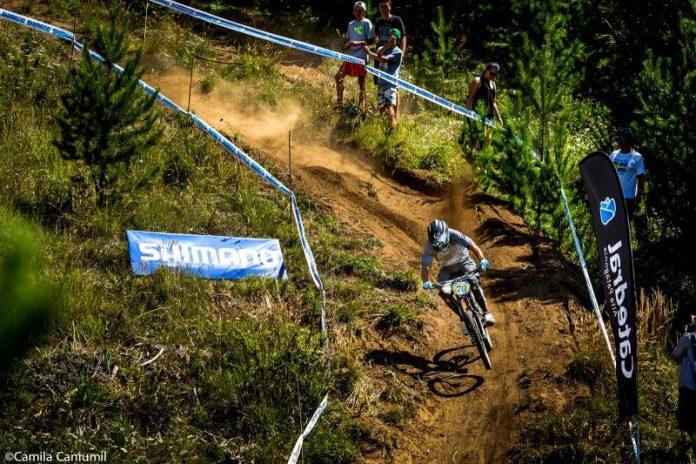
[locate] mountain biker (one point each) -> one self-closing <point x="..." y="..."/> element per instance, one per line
<point x="451" y="249"/>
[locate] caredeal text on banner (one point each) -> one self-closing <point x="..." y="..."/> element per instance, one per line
<point x="205" y="256"/>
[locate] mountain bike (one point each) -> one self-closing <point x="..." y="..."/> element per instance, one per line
<point x="470" y="314"/>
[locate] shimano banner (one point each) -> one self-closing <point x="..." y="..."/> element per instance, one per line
<point x="616" y="258"/>
<point x="205" y="256"/>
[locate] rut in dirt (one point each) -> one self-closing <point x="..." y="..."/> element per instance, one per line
<point x="467" y="414"/>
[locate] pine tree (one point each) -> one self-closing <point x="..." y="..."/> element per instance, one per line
<point x="666" y="131"/>
<point x="107" y="121"/>
<point x="547" y="79"/>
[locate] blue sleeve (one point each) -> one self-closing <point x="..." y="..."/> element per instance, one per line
<point x="427" y="259"/>
<point x="370" y="31"/>
<point x="640" y="165"/>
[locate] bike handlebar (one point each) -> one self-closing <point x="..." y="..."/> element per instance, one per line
<point x="439" y="285"/>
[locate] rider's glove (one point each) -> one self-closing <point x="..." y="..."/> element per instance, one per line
<point x="428" y="285"/>
<point x="485" y="265"/>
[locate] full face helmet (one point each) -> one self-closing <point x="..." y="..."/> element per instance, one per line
<point x="438" y="234"/>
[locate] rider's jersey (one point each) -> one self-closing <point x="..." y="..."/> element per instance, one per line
<point x="456" y="252"/>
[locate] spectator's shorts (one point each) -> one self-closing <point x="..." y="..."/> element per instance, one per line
<point x="686" y="410"/>
<point x="353" y="70"/>
<point x="386" y="96"/>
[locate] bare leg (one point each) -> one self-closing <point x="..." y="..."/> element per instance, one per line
<point x="391" y="112"/>
<point x="339" y="86"/>
<point x="362" y="97"/>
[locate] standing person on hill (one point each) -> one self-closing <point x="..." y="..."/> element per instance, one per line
<point x="389" y="60"/>
<point x="483" y="89"/>
<point x="359" y="34"/>
<point x="685" y="354"/>
<point x="384" y="23"/>
<point x="631" y="168"/>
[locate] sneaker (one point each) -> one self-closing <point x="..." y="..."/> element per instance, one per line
<point x="488" y="319"/>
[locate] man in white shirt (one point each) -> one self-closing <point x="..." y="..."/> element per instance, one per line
<point x="631" y="168"/>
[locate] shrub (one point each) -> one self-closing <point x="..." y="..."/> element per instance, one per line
<point x="399" y="318"/>
<point x="27" y="301"/>
<point x="107" y="120"/>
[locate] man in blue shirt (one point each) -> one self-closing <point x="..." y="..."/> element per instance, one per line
<point x="684" y="354"/>
<point x="629" y="164"/>
<point x="359" y="34"/>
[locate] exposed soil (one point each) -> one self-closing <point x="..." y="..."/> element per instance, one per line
<point x="465" y="414"/>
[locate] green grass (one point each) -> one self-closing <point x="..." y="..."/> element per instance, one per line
<point x="399" y="318"/>
<point x="236" y="354"/>
<point x="586" y="430"/>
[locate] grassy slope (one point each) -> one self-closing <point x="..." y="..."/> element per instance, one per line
<point x="585" y="428"/>
<point x="238" y="356"/>
<point x="205" y="370"/>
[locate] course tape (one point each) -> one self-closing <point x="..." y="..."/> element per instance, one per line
<point x="232" y="149"/>
<point x="298" y="45"/>
<point x="310" y="425"/>
<point x="586" y="274"/>
<point x="321" y="51"/>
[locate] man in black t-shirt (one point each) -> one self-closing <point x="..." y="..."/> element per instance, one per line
<point x="383" y="24"/>
<point x="386" y="22"/>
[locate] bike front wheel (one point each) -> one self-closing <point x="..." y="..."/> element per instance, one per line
<point x="477" y="337"/>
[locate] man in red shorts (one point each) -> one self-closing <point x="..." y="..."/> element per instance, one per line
<point x="360" y="33"/>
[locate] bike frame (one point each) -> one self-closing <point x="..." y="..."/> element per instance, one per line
<point x="469" y="296"/>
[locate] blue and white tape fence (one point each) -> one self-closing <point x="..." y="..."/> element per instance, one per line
<point x="324" y="52"/>
<point x="232" y="149"/>
<point x="295" y="455"/>
<point x="321" y="51"/>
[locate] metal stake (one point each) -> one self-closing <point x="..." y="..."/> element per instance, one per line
<point x="188" y="107"/>
<point x="290" y="157"/>
<point x="147" y="7"/>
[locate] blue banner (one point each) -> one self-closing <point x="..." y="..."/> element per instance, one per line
<point x="205" y="256"/>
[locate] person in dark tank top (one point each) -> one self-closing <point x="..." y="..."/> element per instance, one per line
<point x="483" y="89"/>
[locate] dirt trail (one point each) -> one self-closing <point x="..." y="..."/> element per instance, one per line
<point x="466" y="414"/>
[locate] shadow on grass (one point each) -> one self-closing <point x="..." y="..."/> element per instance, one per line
<point x="446" y="374"/>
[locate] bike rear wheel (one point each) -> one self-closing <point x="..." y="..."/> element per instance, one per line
<point x="476" y="334"/>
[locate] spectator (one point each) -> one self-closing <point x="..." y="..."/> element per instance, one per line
<point x="684" y="353"/>
<point x="483" y="89"/>
<point x="384" y="23"/>
<point x="629" y="164"/>
<point x="389" y="58"/>
<point x="359" y="34"/>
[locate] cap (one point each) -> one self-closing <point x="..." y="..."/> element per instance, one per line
<point x="360" y="5"/>
<point x="395" y="32"/>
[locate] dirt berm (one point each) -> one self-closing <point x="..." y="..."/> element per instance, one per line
<point x="465" y="414"/>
